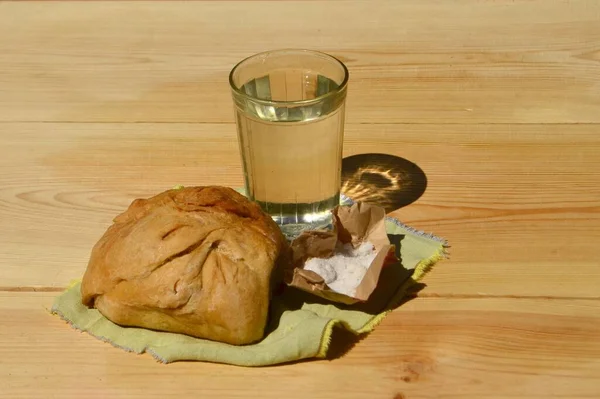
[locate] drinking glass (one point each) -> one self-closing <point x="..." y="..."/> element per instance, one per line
<point x="289" y="112"/>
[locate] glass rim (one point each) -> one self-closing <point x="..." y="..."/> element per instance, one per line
<point x="320" y="98"/>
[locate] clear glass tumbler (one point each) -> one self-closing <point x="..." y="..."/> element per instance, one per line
<point x="289" y="109"/>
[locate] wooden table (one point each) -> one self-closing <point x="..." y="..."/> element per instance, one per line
<point x="497" y="101"/>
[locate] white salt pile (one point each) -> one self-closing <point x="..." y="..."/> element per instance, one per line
<point x="344" y="271"/>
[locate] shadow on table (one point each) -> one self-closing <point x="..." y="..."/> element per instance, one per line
<point x="342" y="340"/>
<point x="395" y="287"/>
<point x="382" y="179"/>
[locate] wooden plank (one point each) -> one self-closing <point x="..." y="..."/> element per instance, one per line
<point x="492" y="348"/>
<point x="465" y="61"/>
<point x="520" y="204"/>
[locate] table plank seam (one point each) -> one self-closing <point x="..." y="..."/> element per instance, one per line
<point x="502" y="296"/>
<point x="150" y="122"/>
<point x="28" y="289"/>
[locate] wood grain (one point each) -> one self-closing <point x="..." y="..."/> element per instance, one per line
<point x="497" y="102"/>
<point x="506" y="196"/>
<point x="436" y="62"/>
<point x="429" y="348"/>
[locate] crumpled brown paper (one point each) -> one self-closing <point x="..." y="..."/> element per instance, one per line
<point x="352" y="224"/>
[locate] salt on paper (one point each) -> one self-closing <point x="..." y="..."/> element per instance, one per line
<point x="352" y="226"/>
<point x="345" y="269"/>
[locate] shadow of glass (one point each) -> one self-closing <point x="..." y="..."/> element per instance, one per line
<point x="382" y="179"/>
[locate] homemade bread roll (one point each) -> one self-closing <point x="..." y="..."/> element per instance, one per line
<point x="199" y="261"/>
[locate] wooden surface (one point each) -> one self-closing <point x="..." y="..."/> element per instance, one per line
<point x="497" y="101"/>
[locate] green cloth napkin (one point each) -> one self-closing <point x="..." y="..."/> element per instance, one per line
<point x="301" y="325"/>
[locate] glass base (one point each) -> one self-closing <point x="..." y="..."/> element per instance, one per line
<point x="294" y="218"/>
<point x="292" y="231"/>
